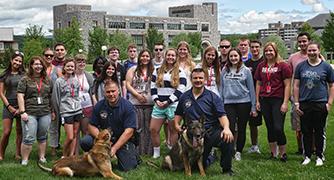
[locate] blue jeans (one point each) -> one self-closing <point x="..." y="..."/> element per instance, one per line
<point x="35" y="128"/>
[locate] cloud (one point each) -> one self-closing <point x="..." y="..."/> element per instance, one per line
<point x="317" y="5"/>
<point x="252" y="21"/>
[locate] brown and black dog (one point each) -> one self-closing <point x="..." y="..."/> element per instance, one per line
<point x="188" y="150"/>
<point x="94" y="162"/>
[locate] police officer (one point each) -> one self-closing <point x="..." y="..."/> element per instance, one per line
<point x="118" y="114"/>
<point x="199" y="101"/>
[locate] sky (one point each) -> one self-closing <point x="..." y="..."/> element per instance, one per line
<point x="235" y="16"/>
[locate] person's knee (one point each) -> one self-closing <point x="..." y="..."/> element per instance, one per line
<point x="86" y="143"/>
<point x="29" y="140"/>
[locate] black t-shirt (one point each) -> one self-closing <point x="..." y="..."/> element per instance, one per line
<point x="252" y="65"/>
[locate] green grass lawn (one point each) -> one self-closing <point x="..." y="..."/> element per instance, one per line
<point x="252" y="166"/>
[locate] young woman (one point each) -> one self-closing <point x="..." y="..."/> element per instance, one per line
<point x="211" y="66"/>
<point x="98" y="66"/>
<point x="238" y="94"/>
<point x="66" y="95"/>
<point x="185" y="60"/>
<point x="34" y="100"/>
<point x="313" y="95"/>
<point x="167" y="85"/>
<point x="85" y="93"/>
<point x="8" y="85"/>
<point x="273" y="77"/>
<point x="138" y="83"/>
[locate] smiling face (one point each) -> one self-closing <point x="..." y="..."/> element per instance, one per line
<point x="111" y="93"/>
<point x="113" y="55"/>
<point x="145" y="58"/>
<point x="255" y="49"/>
<point x="81" y="64"/>
<point x="243" y="46"/>
<point x="198" y="79"/>
<point x="170" y="57"/>
<point x="210" y="57"/>
<point x="16" y="63"/>
<point x="183" y="51"/>
<point x="110" y="71"/>
<point x="303" y="42"/>
<point x="60" y="52"/>
<point x="132" y="53"/>
<point x="234" y="57"/>
<point x="269" y="53"/>
<point x="37" y="67"/>
<point x="48" y="56"/>
<point x="313" y="51"/>
<point x="69" y="68"/>
<point x="225" y="47"/>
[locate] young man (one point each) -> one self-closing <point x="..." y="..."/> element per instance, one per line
<point x="119" y="115"/>
<point x="255" y="48"/>
<point x="158" y="55"/>
<point x="303" y="40"/>
<point x="199" y="101"/>
<point x="243" y="46"/>
<point x="224" y="47"/>
<point x="132" y="57"/>
<point x="113" y="55"/>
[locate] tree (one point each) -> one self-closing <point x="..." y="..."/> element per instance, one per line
<point x="282" y="50"/>
<point x="121" y="41"/>
<point x="306" y="27"/>
<point x="328" y="34"/>
<point x="153" y="37"/>
<point x="98" y="37"/>
<point x="6" y="57"/>
<point x="193" y="39"/>
<point x="71" y="37"/>
<point x="34" y="42"/>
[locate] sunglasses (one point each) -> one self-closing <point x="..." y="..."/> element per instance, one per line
<point x="224" y="46"/>
<point x="48" y="55"/>
<point x="156" y="50"/>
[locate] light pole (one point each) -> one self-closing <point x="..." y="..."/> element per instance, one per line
<point x="104" y="48"/>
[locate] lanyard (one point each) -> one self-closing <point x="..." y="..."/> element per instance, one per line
<point x="39" y="87"/>
<point x="144" y="76"/>
<point x="81" y="82"/>
<point x="210" y="76"/>
<point x="71" y="87"/>
<point x="267" y="72"/>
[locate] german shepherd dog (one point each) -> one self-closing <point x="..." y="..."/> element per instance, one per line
<point x="187" y="152"/>
<point x="94" y="162"/>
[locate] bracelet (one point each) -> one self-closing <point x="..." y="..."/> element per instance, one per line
<point x="22" y="112"/>
<point x="8" y="106"/>
<point x="296" y="103"/>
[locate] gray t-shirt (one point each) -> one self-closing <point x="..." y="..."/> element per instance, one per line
<point x="33" y="106"/>
<point x="10" y="84"/>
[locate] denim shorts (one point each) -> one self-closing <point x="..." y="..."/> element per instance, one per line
<point x="167" y="113"/>
<point x="35" y="128"/>
<point x="72" y="119"/>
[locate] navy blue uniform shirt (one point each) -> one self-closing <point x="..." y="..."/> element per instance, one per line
<point x="118" y="117"/>
<point x="208" y="103"/>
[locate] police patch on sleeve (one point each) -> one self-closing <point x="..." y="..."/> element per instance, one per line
<point x="103" y="115"/>
<point x="187" y="103"/>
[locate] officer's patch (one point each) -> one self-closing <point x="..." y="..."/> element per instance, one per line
<point x="103" y="114"/>
<point x="187" y="103"/>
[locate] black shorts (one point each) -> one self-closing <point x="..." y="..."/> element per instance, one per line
<point x="72" y="119"/>
<point x="256" y="121"/>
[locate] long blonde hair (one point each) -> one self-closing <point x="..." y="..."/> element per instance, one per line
<point x="175" y="78"/>
<point x="189" y="60"/>
<point x="215" y="64"/>
<point x="278" y="58"/>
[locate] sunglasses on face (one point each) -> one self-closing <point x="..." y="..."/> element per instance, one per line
<point x="48" y="55"/>
<point x="156" y="50"/>
<point x="224" y="46"/>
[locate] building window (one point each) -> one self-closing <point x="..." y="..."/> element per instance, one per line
<point x="59" y="24"/>
<point x="205" y="27"/>
<point x="117" y="25"/>
<point x="2" y="47"/>
<point x="157" y="25"/>
<point x="95" y="23"/>
<point x="135" y="25"/>
<point x="139" y="40"/>
<point x="170" y="38"/>
<point x="69" y="23"/>
<point x="190" y="27"/>
<point x="174" y="26"/>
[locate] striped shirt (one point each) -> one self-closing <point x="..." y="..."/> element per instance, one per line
<point x="167" y="92"/>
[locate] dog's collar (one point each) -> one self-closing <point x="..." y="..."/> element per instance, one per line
<point x="185" y="137"/>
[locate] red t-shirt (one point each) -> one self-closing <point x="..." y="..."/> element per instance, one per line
<point x="272" y="77"/>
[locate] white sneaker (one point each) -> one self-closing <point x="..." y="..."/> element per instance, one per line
<point x="254" y="149"/>
<point x="237" y="156"/>
<point x="306" y="161"/>
<point x="319" y="162"/>
<point x="155" y="156"/>
<point x="24" y="162"/>
<point x="42" y="160"/>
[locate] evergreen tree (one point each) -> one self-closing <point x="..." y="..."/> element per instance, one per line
<point x="98" y="37"/>
<point x="328" y="35"/>
<point x="153" y="37"/>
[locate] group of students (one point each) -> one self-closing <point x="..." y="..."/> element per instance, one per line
<point x="58" y="90"/>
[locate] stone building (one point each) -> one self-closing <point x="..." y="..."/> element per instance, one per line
<point x="189" y="18"/>
<point x="7" y="39"/>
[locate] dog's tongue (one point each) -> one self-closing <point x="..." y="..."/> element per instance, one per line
<point x="195" y="144"/>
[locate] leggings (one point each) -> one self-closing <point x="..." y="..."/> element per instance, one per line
<point x="274" y="118"/>
<point x="238" y="114"/>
